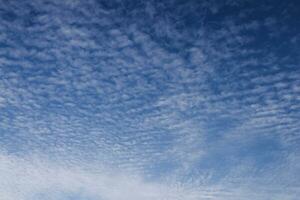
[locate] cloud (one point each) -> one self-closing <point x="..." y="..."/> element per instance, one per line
<point x="186" y="100"/>
<point x="34" y="178"/>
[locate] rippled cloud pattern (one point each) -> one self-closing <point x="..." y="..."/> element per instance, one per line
<point x="149" y="100"/>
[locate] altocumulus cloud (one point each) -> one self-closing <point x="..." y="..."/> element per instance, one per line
<point x="146" y="100"/>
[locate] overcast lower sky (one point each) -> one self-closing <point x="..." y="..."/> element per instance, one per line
<point x="149" y="100"/>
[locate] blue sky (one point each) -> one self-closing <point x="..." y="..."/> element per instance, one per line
<point x="140" y="100"/>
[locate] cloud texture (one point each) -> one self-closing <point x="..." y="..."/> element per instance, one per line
<point x="146" y="100"/>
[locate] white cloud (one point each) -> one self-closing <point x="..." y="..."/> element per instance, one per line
<point x="87" y="83"/>
<point x="30" y="178"/>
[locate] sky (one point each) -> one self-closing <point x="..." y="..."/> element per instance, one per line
<point x="149" y="100"/>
